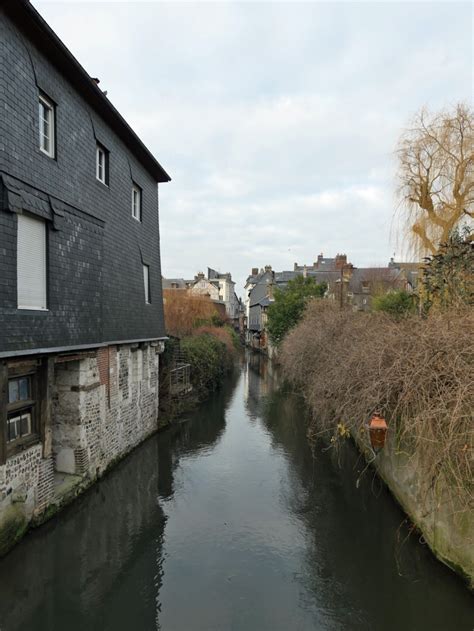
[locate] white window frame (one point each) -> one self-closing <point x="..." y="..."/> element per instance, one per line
<point x="45" y="104"/>
<point x="137" y="202"/>
<point x="23" y="250"/>
<point x="101" y="151"/>
<point x="146" y="282"/>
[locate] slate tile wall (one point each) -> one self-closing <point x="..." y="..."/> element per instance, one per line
<point x="95" y="258"/>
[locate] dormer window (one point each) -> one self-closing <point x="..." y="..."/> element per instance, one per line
<point x="136" y="202"/>
<point x="46" y="126"/>
<point x="102" y="165"/>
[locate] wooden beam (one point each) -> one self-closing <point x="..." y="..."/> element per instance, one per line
<point x="3" y="410"/>
<point x="45" y="393"/>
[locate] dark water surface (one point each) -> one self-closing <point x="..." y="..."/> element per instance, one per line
<point x="229" y="522"/>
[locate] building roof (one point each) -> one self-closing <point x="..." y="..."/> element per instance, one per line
<point x="170" y="283"/>
<point x="30" y="22"/>
<point x="284" y="277"/>
<point x="388" y="277"/>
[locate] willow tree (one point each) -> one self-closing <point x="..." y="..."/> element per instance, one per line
<point x="436" y="176"/>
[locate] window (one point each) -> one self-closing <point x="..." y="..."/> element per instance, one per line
<point x="102" y="165"/>
<point x="146" y="279"/>
<point x="46" y="126"/>
<point x="31" y="263"/>
<point x="21" y="409"/>
<point x="136" y="202"/>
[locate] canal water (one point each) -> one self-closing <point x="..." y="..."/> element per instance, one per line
<point x="230" y="521"/>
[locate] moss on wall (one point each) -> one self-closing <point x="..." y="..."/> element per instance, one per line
<point x="13" y="527"/>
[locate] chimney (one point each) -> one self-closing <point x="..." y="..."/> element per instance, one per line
<point x="254" y="271"/>
<point x="295" y="267"/>
<point x="95" y="80"/>
<point x="319" y="261"/>
<point x="341" y="260"/>
<point x="305" y="271"/>
<point x="268" y="268"/>
<point x="199" y="276"/>
<point x="270" y="290"/>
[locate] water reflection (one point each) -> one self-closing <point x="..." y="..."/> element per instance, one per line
<point x="77" y="571"/>
<point x="229" y="522"/>
<point x="360" y="562"/>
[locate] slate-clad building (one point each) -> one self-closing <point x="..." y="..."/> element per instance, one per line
<point x="81" y="313"/>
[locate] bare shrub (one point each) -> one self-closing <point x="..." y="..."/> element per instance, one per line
<point x="418" y="372"/>
<point x="185" y="311"/>
<point x="223" y="334"/>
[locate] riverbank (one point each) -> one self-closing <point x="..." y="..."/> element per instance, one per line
<point x="205" y="357"/>
<point x="418" y="374"/>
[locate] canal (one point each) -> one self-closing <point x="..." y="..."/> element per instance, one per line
<point x="230" y="521"/>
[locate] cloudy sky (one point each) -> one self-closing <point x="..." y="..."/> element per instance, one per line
<point x="276" y="121"/>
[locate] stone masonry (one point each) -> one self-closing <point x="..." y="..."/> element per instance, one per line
<point x="105" y="403"/>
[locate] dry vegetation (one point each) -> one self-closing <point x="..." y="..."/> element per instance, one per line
<point x="436" y="176"/>
<point x="206" y="341"/>
<point x="417" y="372"/>
<point x="185" y="311"/>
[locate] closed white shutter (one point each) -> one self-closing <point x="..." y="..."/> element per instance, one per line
<point x="31" y="263"/>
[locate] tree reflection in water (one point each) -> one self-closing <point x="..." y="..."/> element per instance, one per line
<point x="360" y="561"/>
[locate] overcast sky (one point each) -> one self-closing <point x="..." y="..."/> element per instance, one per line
<point x="276" y="121"/>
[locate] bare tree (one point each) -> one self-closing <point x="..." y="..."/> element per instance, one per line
<point x="436" y="176"/>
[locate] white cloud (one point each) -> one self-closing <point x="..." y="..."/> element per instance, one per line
<point x="277" y="122"/>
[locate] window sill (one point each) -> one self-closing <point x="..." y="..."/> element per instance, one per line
<point x="101" y="182"/>
<point x="52" y="156"/>
<point x="22" y="308"/>
<point x="22" y="444"/>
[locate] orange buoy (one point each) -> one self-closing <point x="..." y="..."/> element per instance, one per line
<point x="377" y="431"/>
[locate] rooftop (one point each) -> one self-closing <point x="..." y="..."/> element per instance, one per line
<point x="30" y="22"/>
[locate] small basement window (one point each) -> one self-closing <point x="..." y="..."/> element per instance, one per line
<point x="21" y="417"/>
<point x="136" y="202"/>
<point x="47" y="126"/>
<point x="102" y="165"/>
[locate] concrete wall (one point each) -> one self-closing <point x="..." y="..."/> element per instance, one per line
<point x="445" y="522"/>
<point x="104" y="404"/>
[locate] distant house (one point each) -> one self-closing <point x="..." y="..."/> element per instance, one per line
<point x="346" y="284"/>
<point x="176" y="283"/>
<point x="205" y="287"/>
<point x="220" y="288"/>
<point x="81" y="306"/>
<point x="324" y="264"/>
<point x="226" y="292"/>
<point x="362" y="284"/>
<point x="259" y="295"/>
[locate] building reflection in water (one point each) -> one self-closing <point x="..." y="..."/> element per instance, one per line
<point x="357" y="539"/>
<point x="78" y="570"/>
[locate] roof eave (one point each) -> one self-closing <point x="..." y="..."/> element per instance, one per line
<point x="30" y="21"/>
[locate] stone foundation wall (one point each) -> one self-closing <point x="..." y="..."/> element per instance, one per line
<point x="104" y="404"/>
<point x="445" y="522"/>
